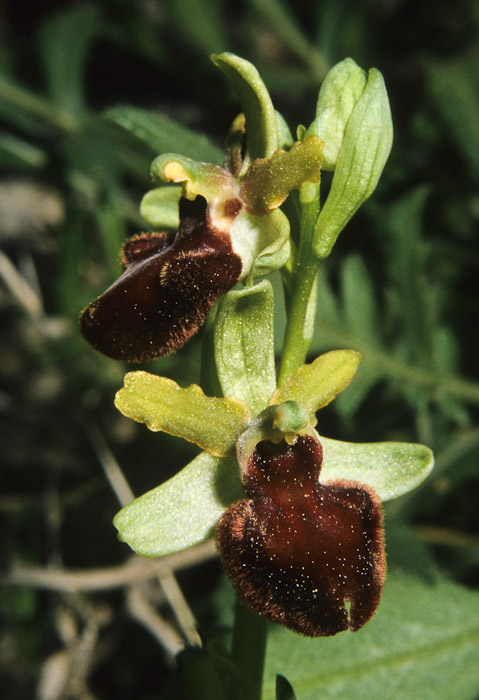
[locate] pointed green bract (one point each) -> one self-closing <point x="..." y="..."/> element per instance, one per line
<point x="212" y="423"/>
<point x="244" y="345"/>
<point x="183" y="511"/>
<point x="159" y="207"/>
<point x="261" y="123"/>
<point x="268" y="181"/>
<point x="362" y="156"/>
<point x="391" y="469"/>
<point x="316" y="384"/>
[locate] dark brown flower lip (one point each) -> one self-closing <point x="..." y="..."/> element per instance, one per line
<point x="169" y="286"/>
<point x="297" y="550"/>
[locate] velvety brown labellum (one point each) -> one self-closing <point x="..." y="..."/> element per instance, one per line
<point x="167" y="290"/>
<point x="298" y="550"/>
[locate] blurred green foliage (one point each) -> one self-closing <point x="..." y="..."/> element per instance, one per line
<point x="90" y="93"/>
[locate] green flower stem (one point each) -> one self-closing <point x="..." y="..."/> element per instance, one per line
<point x="302" y="305"/>
<point x="248" y="650"/>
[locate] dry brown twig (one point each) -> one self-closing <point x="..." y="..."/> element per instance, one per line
<point x="165" y="575"/>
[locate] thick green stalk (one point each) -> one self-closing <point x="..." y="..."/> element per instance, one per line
<point x="248" y="650"/>
<point x="302" y="305"/>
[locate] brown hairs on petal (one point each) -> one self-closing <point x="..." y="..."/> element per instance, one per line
<point x="298" y="550"/>
<point x="166" y="291"/>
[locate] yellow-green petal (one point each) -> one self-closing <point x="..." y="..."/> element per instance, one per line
<point x="212" y="423"/>
<point x="268" y="181"/>
<point x="316" y="384"/>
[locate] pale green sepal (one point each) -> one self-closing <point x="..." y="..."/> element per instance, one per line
<point x="337" y="98"/>
<point x="159" y="207"/>
<point x="244" y="345"/>
<point x="184" y="510"/>
<point x="391" y="469"/>
<point x="363" y="154"/>
<point x="316" y="384"/>
<point x="261" y="124"/>
<point x="212" y="423"/>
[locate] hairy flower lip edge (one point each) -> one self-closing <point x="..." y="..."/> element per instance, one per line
<point x="166" y="291"/>
<point x="281" y="591"/>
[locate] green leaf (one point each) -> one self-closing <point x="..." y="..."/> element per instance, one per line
<point x="159" y="133"/>
<point x="159" y="207"/>
<point x="361" y="311"/>
<point x="212" y="423"/>
<point x="184" y="510"/>
<point x="362" y="157"/>
<point x="389" y="468"/>
<point x="261" y="124"/>
<point x="316" y="384"/>
<point x="412" y="290"/>
<point x="244" y="345"/>
<point x="452" y="85"/>
<point x="423" y="643"/>
<point x="202" y="23"/>
<point x="361" y="316"/>
<point x="65" y="40"/>
<point x="19" y="154"/>
<point x="279" y="19"/>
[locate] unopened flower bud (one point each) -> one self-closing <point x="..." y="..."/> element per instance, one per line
<point x="339" y="93"/>
<point x="362" y="156"/>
